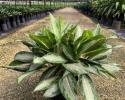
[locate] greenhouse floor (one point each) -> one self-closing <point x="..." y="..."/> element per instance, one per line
<point x="108" y="89"/>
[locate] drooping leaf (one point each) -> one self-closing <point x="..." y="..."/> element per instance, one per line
<point x="54" y="58"/>
<point x="24" y="56"/>
<point x="19" y="66"/>
<point x="38" y="60"/>
<point x="76" y="68"/>
<point x="52" y="91"/>
<point x="45" y="84"/>
<point x="49" y="72"/>
<point x="111" y="67"/>
<point x="87" y="88"/>
<point x="67" y="86"/>
<point x="35" y="67"/>
<point x="22" y="77"/>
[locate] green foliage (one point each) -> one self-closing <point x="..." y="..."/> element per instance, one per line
<point x="68" y="57"/>
<point x="112" y="9"/>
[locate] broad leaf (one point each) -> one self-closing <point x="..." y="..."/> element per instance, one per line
<point x="87" y="88"/>
<point x="35" y="67"/>
<point x="49" y="72"/>
<point x="54" y="28"/>
<point x="54" y="58"/>
<point x="52" y="91"/>
<point x="111" y="67"/>
<point x="24" y="56"/>
<point x="42" y="41"/>
<point x="22" y="77"/>
<point x="67" y="87"/>
<point x="76" y="68"/>
<point x="67" y="50"/>
<point x="19" y="66"/>
<point x="38" y="60"/>
<point x="45" y="84"/>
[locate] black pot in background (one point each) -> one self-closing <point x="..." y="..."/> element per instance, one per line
<point x="13" y="23"/>
<point x="116" y="24"/>
<point x="22" y="20"/>
<point x="18" y="20"/>
<point x="8" y="23"/>
<point x="4" y="25"/>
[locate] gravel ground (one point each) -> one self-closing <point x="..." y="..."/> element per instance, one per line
<point x="9" y="90"/>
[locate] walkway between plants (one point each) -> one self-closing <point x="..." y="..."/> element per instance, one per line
<point x="9" y="90"/>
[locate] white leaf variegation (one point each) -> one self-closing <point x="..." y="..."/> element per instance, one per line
<point x="22" y="77"/>
<point x="76" y="68"/>
<point x="45" y="84"/>
<point x="87" y="88"/>
<point x="67" y="87"/>
<point x="52" y="91"/>
<point x="54" y="58"/>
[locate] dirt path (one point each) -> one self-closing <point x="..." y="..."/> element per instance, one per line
<point x="10" y="90"/>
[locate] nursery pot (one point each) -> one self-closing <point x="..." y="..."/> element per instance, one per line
<point x="18" y="20"/>
<point x="23" y="19"/>
<point x="116" y="24"/>
<point x="8" y="23"/>
<point x="4" y="25"/>
<point x="14" y="22"/>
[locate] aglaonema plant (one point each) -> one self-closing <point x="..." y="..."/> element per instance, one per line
<point x="67" y="57"/>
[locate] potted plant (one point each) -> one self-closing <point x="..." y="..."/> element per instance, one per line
<point x="67" y="57"/>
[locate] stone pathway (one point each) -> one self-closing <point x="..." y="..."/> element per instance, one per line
<point x="9" y="90"/>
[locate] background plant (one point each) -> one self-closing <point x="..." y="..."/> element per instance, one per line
<point x="67" y="57"/>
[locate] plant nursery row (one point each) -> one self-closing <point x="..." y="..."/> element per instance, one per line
<point x="108" y="12"/>
<point x="14" y="16"/>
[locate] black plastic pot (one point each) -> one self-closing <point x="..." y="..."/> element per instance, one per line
<point x="8" y="23"/>
<point x="18" y="20"/>
<point x="13" y="22"/>
<point x="116" y="24"/>
<point x="4" y="25"/>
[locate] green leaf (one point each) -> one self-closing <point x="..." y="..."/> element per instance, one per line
<point x="18" y="66"/>
<point x="112" y="68"/>
<point x="22" y="77"/>
<point x="38" y="60"/>
<point x="28" y="43"/>
<point x="35" y="67"/>
<point x="102" y="54"/>
<point x="54" y="58"/>
<point x="67" y="87"/>
<point x="76" y="68"/>
<point x="87" y="88"/>
<point x="45" y="84"/>
<point x="87" y="34"/>
<point x="24" y="56"/>
<point x="67" y="50"/>
<point x="78" y="32"/>
<point x="50" y="36"/>
<point x="41" y="40"/>
<point x="49" y="72"/>
<point x="97" y="31"/>
<point x="52" y="91"/>
<point x="54" y="28"/>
